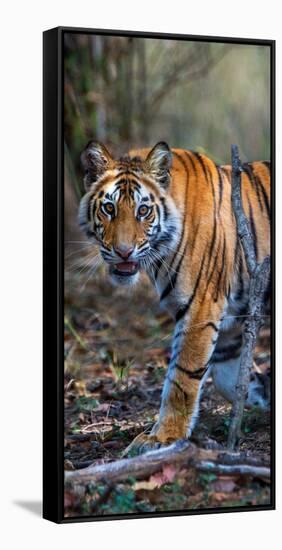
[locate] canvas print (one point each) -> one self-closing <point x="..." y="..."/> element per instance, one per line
<point x="167" y="310"/>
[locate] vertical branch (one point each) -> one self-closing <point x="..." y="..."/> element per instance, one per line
<point x="142" y="90"/>
<point x="259" y="279"/>
<point x="97" y="59"/>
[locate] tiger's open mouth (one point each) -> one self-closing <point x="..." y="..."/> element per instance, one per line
<point x="125" y="269"/>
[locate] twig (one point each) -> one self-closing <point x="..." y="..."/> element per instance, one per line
<point x="182" y="452"/>
<point x="259" y="278"/>
<point x="69" y="325"/>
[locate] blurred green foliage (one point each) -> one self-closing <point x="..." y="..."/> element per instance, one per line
<point x="132" y="92"/>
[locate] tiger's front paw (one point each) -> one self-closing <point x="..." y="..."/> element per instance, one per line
<point x="162" y="434"/>
<point x="142" y="444"/>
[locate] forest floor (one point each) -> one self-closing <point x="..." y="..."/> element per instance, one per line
<point x="117" y="347"/>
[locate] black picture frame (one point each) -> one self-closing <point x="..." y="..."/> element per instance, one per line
<point x="53" y="271"/>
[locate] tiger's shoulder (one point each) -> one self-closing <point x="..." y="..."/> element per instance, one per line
<point x="208" y="180"/>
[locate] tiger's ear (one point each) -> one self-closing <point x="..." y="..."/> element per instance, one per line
<point x="95" y="160"/>
<point x="159" y="161"/>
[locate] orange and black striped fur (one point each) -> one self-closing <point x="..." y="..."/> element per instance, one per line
<point x="169" y="212"/>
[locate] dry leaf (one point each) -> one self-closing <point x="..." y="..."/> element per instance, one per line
<point x="167" y="475"/>
<point x="146" y="485"/>
<point x="224" y="485"/>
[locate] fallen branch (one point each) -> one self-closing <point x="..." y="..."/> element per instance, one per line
<point x="180" y="453"/>
<point x="234" y="469"/>
<point x="259" y="279"/>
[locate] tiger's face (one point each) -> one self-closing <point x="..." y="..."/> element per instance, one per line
<point x="127" y="210"/>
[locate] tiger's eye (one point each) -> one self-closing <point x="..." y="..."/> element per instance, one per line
<point x="143" y="210"/>
<point x="109" y="207"/>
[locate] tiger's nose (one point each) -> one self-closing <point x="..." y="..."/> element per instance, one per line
<point x="123" y="251"/>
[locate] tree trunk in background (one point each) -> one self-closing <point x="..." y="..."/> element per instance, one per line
<point x="142" y="91"/>
<point x="127" y="86"/>
<point x="96" y="48"/>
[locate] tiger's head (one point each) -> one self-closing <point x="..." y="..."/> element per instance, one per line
<point x="127" y="209"/>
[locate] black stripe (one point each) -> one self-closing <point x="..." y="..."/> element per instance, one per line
<point x="165" y="237"/>
<point x="174" y="355"/>
<point x="165" y="209"/>
<point x="222" y="357"/>
<point x="179" y="333"/>
<point x="228" y="351"/>
<point x="199" y="158"/>
<point x="158" y="264"/>
<point x="213" y="239"/>
<point x="196" y="374"/>
<point x="158" y="211"/>
<point x="142" y="245"/>
<point x="100" y="217"/>
<point x="201" y="162"/>
<point x="183" y="309"/>
<point x="214" y="232"/>
<point x="266" y="163"/>
<point x="221" y="272"/>
<point x="89" y="209"/>
<point x="220" y="186"/>
<point x="188" y="155"/>
<point x="265" y="197"/>
<point x="225" y="355"/>
<point x="185" y="205"/>
<point x="173" y="279"/>
<point x="88" y="232"/>
<point x="226" y="173"/>
<point x="195" y="235"/>
<point x="248" y="169"/>
<point x="135" y="183"/>
<point x="169" y="287"/>
<point x="253" y="228"/>
<point x="212" y="325"/>
<point x="237" y="254"/>
<point x="181" y="369"/>
<point x="241" y="311"/>
<point x="240" y="292"/>
<point x="232" y="343"/>
<point x="126" y="181"/>
<point x="179" y="387"/>
<point x="212" y="269"/>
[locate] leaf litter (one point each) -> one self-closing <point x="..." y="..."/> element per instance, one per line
<point x="117" y="347"/>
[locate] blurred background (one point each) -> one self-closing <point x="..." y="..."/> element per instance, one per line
<point x="132" y="92"/>
<point x="127" y="93"/>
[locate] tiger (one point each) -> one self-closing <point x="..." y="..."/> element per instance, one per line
<point x="168" y="212"/>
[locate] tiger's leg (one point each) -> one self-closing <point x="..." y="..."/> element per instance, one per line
<point x="195" y="337"/>
<point x="225" y="365"/>
<point x="225" y="362"/>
